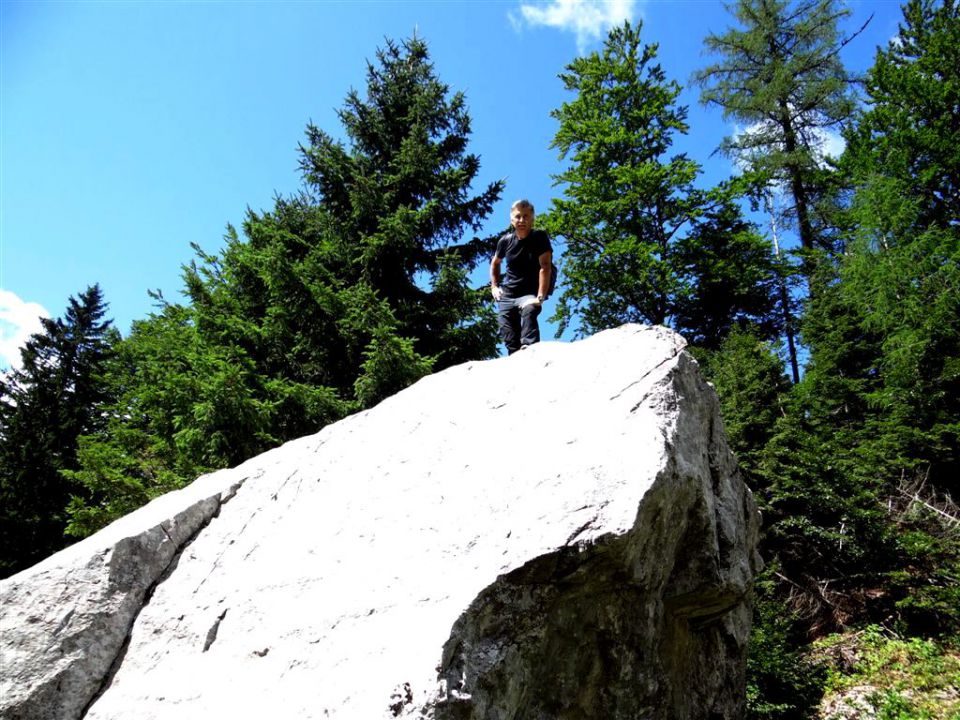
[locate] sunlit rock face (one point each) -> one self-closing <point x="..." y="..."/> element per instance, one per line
<point x="561" y="533"/>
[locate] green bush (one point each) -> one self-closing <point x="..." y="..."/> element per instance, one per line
<point x="783" y="682"/>
<point x="913" y="678"/>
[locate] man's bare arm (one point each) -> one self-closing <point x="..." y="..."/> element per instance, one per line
<point x="495" y="289"/>
<point x="546" y="260"/>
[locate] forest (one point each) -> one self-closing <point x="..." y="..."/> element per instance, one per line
<point x="837" y="359"/>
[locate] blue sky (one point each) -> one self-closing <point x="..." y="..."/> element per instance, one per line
<point x="131" y="129"/>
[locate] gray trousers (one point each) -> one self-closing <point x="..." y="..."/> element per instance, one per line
<point x="518" y="326"/>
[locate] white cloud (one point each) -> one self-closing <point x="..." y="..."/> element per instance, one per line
<point x="589" y="19"/>
<point x="826" y="143"/>
<point x="832" y="143"/>
<point x="18" y="321"/>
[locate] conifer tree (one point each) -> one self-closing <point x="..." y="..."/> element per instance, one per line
<point x="900" y="282"/>
<point x="638" y="232"/>
<point x="54" y="398"/>
<point x="329" y="302"/>
<point x="902" y="155"/>
<point x="728" y="279"/>
<point x="856" y="467"/>
<point x="780" y="74"/>
<point x="378" y="243"/>
<point x="753" y="390"/>
<point x="399" y="202"/>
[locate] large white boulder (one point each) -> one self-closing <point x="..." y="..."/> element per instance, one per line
<point x="561" y="533"/>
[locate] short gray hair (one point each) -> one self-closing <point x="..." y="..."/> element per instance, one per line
<point x="522" y="203"/>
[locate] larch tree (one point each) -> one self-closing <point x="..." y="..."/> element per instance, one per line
<point x="780" y="75"/>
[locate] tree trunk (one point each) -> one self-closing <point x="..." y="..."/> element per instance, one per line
<point x="784" y="294"/>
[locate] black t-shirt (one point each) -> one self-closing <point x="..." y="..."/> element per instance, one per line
<point x="523" y="262"/>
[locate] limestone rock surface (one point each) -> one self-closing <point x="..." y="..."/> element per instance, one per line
<point x="562" y="533"/>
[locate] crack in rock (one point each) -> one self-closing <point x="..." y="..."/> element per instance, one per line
<point x="644" y="377"/>
<point x="214" y="629"/>
<point x="62" y="678"/>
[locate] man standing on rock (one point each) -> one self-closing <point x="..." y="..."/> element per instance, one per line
<point x="520" y="296"/>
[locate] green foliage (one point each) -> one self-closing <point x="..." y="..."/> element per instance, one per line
<point x="728" y="279"/>
<point x="926" y="585"/>
<point x="331" y="301"/>
<point x="390" y="365"/>
<point x="826" y="524"/>
<point x="623" y="204"/>
<point x="750" y="381"/>
<point x="780" y="74"/>
<point x="398" y="201"/>
<point x="643" y="244"/>
<point x="903" y="149"/>
<point x="855" y="474"/>
<point x="46" y="405"/>
<point x="904" y="273"/>
<point x="117" y="482"/>
<point x="171" y="420"/>
<point x="783" y="681"/>
<point x="910" y="678"/>
<point x="372" y="246"/>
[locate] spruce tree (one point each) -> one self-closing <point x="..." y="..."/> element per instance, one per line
<point x="902" y="156"/>
<point x="46" y="405"/>
<point x="330" y="301"/>
<point x="183" y="406"/>
<point x="400" y="206"/>
<point x="378" y="243"/>
<point x="753" y="390"/>
<point x="899" y="284"/>
<point x="728" y="279"/>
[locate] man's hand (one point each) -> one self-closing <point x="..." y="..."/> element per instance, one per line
<point x="497" y="292"/>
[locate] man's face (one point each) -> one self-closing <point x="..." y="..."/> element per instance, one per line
<point x="522" y="220"/>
